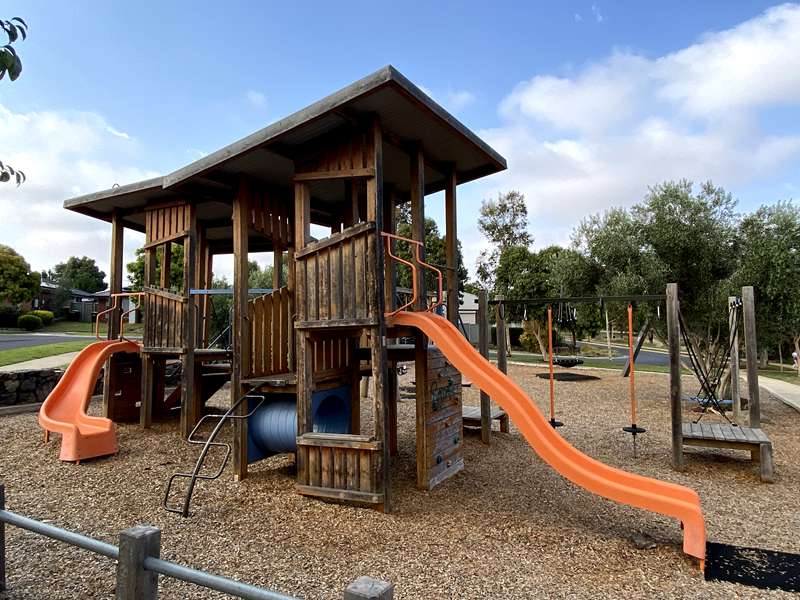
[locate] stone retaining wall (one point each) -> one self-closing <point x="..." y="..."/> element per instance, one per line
<point x="26" y="387"/>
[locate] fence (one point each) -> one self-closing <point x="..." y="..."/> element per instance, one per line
<point x="139" y="565"/>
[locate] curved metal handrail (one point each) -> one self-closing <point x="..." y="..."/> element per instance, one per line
<point x="418" y="246"/>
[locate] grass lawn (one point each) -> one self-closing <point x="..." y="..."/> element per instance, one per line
<point x="788" y="374"/>
<point x="76" y="327"/>
<point x="16" y="355"/>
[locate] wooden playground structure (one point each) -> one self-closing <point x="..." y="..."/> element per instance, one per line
<point x="344" y="163"/>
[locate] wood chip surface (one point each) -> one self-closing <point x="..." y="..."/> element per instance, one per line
<point x="508" y="526"/>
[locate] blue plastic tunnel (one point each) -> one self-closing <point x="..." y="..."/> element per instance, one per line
<point x="272" y="429"/>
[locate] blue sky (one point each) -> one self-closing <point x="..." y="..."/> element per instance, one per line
<point x="590" y="102"/>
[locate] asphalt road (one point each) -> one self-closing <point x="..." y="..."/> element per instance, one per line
<point x="646" y="357"/>
<point x="23" y="340"/>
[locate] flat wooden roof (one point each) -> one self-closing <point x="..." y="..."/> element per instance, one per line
<point x="407" y="116"/>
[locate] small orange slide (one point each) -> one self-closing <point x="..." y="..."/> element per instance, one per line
<point x="642" y="492"/>
<point x="64" y="410"/>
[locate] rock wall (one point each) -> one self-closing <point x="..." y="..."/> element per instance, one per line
<point x="26" y="387"/>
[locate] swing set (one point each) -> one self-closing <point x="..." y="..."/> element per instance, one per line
<point x="566" y="308"/>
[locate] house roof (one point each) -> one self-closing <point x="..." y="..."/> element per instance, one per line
<point x="406" y="113"/>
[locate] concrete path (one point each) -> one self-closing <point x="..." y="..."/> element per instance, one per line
<point x="788" y="393"/>
<point x="48" y="362"/>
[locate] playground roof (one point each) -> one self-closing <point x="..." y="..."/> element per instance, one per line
<point x="407" y="115"/>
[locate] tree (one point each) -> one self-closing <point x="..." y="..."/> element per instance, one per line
<point x="674" y="235"/>
<point x="435" y="254"/>
<point x="770" y="261"/>
<point x="136" y="268"/>
<point x="262" y="278"/>
<point x="17" y="282"/>
<point x="10" y="63"/>
<point x="81" y="273"/>
<point x="504" y="222"/>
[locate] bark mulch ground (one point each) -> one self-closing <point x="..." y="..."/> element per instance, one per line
<point x="506" y="527"/>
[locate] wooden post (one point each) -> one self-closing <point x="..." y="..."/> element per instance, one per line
<point x="304" y="345"/>
<point x="148" y="366"/>
<point x="674" y="344"/>
<point x="240" y="325"/>
<point x="166" y="266"/>
<point x="377" y="338"/>
<point x="417" y="193"/>
<point x="389" y="301"/>
<point x="134" y="582"/>
<point x="190" y="390"/>
<point x="114" y="287"/>
<point x="502" y="348"/>
<point x="483" y="348"/>
<point x="751" y="354"/>
<point x="736" y="398"/>
<point x="451" y="245"/>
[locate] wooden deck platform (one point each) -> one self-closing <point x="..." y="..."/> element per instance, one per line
<point x="722" y="435"/>
<point x="471" y="417"/>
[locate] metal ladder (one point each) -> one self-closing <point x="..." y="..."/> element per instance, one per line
<point x="207" y="444"/>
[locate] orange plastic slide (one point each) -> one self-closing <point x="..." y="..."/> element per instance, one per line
<point x="64" y="410"/>
<point x="642" y="492"/>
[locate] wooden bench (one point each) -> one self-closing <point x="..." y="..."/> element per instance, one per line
<point x="471" y="417"/>
<point x="723" y="435"/>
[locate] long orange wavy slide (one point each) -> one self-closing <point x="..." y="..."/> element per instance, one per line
<point x="64" y="410"/>
<point x="642" y="492"/>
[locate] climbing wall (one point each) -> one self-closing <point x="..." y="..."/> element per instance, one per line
<point x="443" y="429"/>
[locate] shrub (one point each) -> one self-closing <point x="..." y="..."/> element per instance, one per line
<point x="45" y="315"/>
<point x="8" y="315"/>
<point x="29" y="322"/>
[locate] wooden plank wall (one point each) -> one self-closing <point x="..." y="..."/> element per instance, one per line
<point x="165" y="320"/>
<point x="166" y="222"/>
<point x="348" y="153"/>
<point x="339" y="467"/>
<point x="270" y="331"/>
<point x="334" y="274"/>
<point x="443" y="442"/>
<point x="269" y="215"/>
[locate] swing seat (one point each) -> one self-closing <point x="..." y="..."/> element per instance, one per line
<point x="567" y="361"/>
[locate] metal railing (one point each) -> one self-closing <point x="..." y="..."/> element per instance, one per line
<point x="139" y="565"/>
<point x="116" y="306"/>
<point x="418" y="247"/>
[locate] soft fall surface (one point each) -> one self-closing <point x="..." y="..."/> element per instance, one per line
<point x="505" y="527"/>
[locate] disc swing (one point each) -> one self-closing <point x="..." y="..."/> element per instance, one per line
<point x="566" y="361"/>
<point x="633" y="428"/>
<point x="553" y="422"/>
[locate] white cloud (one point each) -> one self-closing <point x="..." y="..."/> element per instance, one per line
<point x="63" y="154"/>
<point x="597" y="138"/>
<point x="577" y="17"/>
<point x="256" y="99"/>
<point x="458" y="99"/>
<point x="598" y="16"/>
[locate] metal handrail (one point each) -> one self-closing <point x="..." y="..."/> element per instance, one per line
<point x="114" y="307"/>
<point x="207" y="444"/>
<point x="149" y="563"/>
<point x="418" y="246"/>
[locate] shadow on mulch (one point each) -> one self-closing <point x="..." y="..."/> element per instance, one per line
<point x="568" y="376"/>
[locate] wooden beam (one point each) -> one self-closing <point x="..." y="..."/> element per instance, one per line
<point x="240" y="326"/>
<point x="340" y="174"/>
<point x="451" y="246"/>
<point x="114" y="287"/>
<point x="377" y="336"/>
<point x="390" y="269"/>
<point x="483" y="348"/>
<point x="190" y="390"/>
<point x="674" y="346"/>
<point x="148" y="367"/>
<point x="166" y="265"/>
<point x="418" y="218"/>
<point x="751" y="354"/>
<point x="733" y="340"/>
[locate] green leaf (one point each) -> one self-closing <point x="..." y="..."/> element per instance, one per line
<point x="12" y="33"/>
<point x="4" y="176"/>
<point x="15" y="69"/>
<point x="19" y="20"/>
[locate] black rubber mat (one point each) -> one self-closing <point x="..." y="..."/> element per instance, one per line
<point x="765" y="569"/>
<point x="567" y="376"/>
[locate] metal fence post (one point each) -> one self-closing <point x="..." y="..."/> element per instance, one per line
<point x="2" y="540"/>
<point x="367" y="588"/>
<point x="133" y="581"/>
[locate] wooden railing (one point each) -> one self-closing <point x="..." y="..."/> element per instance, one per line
<point x="337" y="279"/>
<point x="165" y="315"/>
<point x="270" y="334"/>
